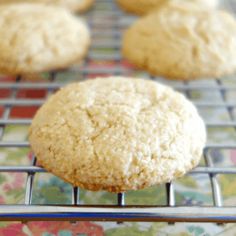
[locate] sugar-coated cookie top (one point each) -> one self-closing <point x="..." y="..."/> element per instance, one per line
<point x="73" y="5"/>
<point x="183" y="42"/>
<point x="35" y="38"/>
<point x="117" y="134"/>
<point x="141" y="7"/>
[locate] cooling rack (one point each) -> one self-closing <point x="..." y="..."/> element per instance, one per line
<point x="107" y="23"/>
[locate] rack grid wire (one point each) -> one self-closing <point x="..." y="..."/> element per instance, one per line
<point x="106" y="29"/>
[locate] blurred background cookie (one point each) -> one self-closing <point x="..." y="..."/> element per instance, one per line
<point x="72" y="5"/>
<point x="36" y="38"/>
<point x="141" y="7"/>
<point x="183" y="42"/>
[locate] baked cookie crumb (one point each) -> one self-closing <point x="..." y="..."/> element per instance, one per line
<point x="117" y="134"/>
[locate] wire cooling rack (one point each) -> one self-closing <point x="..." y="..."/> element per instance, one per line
<point x="107" y="22"/>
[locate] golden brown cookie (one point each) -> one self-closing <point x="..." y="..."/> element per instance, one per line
<point x="179" y="42"/>
<point x="141" y="7"/>
<point x="72" y="5"/>
<point x="117" y="134"/>
<point x="36" y="38"/>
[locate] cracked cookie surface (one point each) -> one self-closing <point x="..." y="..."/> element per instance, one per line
<point x="179" y="42"/>
<point x="117" y="134"/>
<point x="36" y="38"/>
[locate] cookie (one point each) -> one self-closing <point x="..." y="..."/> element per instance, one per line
<point x="72" y="5"/>
<point x="36" y="38"/>
<point x="117" y="134"/>
<point x="177" y="42"/>
<point x="141" y="7"/>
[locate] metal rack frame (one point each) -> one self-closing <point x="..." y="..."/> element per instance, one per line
<point x="119" y="212"/>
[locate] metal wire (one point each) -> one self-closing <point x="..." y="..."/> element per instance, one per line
<point x="121" y="199"/>
<point x="29" y="185"/>
<point x="106" y="28"/>
<point x="75" y="196"/>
